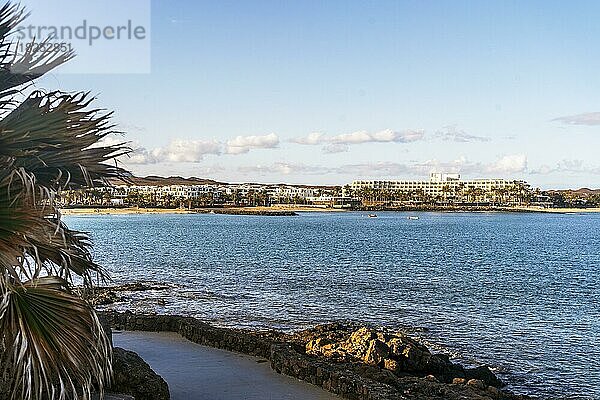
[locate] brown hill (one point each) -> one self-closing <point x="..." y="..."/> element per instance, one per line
<point x="153" y="180"/>
<point x="582" y="191"/>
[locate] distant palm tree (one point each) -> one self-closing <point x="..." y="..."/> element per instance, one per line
<point x="54" y="344"/>
<point x="445" y="190"/>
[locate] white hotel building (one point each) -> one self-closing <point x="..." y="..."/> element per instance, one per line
<point x="438" y="184"/>
<point x="275" y="192"/>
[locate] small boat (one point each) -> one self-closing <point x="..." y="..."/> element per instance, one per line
<point x="372" y="215"/>
<point x="412" y="217"/>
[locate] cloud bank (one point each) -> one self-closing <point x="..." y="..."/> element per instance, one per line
<point x="311" y="139"/>
<point x="451" y="133"/>
<point x="590" y="119"/>
<point x="178" y="150"/>
<point x="194" y="151"/>
<point x="385" y="136"/>
<point x="566" y="166"/>
<point x="502" y="166"/>
<point x="243" y="144"/>
<point x="341" y="143"/>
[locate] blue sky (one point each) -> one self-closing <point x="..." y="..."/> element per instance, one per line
<point x="326" y="92"/>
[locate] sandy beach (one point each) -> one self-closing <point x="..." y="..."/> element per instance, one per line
<point x="557" y="210"/>
<point x="232" y="210"/>
<point x="121" y="211"/>
<point x="290" y="208"/>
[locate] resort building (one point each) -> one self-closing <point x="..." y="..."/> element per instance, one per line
<point x="442" y="185"/>
<point x="221" y="193"/>
<point x="333" y="201"/>
<point x="279" y="192"/>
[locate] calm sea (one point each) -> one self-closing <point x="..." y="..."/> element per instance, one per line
<point x="518" y="292"/>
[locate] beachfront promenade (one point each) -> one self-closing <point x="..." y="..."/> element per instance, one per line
<point x="196" y="372"/>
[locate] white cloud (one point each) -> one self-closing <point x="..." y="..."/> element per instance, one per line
<point x="332" y="148"/>
<point x="592" y="118"/>
<point x="284" y="169"/>
<point x="178" y="150"/>
<point x="506" y="165"/>
<point x="340" y="143"/>
<point x="140" y="156"/>
<point x="193" y="151"/>
<point x="452" y="134"/>
<point x="310" y="139"/>
<point x="566" y="166"/>
<point x="509" y="164"/>
<point x="243" y="144"/>
<point x="109" y="140"/>
<point x="387" y="169"/>
<point x="385" y="136"/>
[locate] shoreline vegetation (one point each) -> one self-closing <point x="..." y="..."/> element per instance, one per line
<point x="291" y="210"/>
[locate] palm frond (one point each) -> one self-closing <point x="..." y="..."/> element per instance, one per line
<point x="17" y="70"/>
<point x="56" y="343"/>
<point x="35" y="233"/>
<point x="52" y="136"/>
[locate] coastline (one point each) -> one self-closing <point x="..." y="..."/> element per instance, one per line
<point x="276" y="210"/>
<point x="293" y="209"/>
<point x="559" y="210"/>
<point x="352" y="361"/>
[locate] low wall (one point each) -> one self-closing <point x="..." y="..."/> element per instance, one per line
<point x="194" y="331"/>
<point x="287" y="361"/>
<point x="284" y="358"/>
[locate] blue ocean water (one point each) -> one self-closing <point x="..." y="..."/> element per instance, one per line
<point x="518" y="292"/>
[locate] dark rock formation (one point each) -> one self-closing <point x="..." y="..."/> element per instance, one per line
<point x="247" y="211"/>
<point x="106" y="295"/>
<point x="133" y="376"/>
<point x="356" y="363"/>
<point x="483" y="374"/>
<point x="366" y="382"/>
<point x="105" y="323"/>
<point x="393" y="351"/>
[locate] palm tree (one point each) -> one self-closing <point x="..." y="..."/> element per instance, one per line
<point x="54" y="344"/>
<point x="445" y="190"/>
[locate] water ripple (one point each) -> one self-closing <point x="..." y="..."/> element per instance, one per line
<point x="518" y="292"/>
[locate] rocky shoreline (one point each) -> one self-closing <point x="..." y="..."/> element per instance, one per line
<point x="109" y="210"/>
<point x="450" y="208"/>
<point x="246" y="211"/>
<point x="353" y="361"/>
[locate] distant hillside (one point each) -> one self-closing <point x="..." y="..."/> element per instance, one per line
<point x="153" y="180"/>
<point x="582" y="191"/>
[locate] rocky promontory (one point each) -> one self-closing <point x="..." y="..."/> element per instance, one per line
<point x="353" y="361"/>
<point x="247" y="211"/>
<point x="392" y="351"/>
